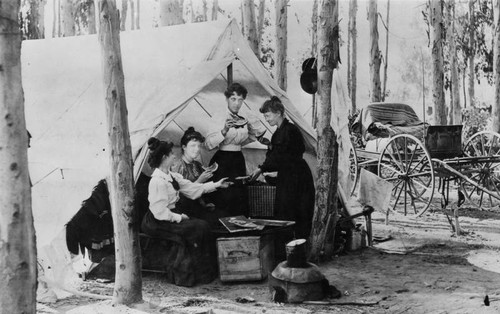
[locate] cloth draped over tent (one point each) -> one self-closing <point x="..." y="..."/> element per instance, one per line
<point x="339" y="122"/>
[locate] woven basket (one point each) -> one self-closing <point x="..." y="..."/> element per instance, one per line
<point x="261" y="200"/>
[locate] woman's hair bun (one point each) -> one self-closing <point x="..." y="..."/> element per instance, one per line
<point x="275" y="98"/>
<point x="190" y="129"/>
<point x="153" y="143"/>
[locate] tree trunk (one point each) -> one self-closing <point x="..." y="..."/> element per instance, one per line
<point x="384" y="89"/>
<point x="67" y="18"/>
<point x="281" y="42"/>
<point x="215" y="10"/>
<point x="59" y="14"/>
<point x="54" y="18"/>
<point x="128" y="280"/>
<point x="132" y="14"/>
<point x="138" y="15"/>
<point x="455" y="110"/>
<point x="353" y="10"/>
<point x="205" y="11"/>
<point x="436" y="16"/>
<point x="91" y="18"/>
<point x="260" y="24"/>
<point x="326" y="187"/>
<point x="314" y="51"/>
<point x="471" y="53"/>
<point x="34" y="20"/>
<point x="18" y="264"/>
<point x="375" y="91"/>
<point x="496" y="67"/>
<point x="123" y="14"/>
<point x="249" y="25"/>
<point x="171" y="12"/>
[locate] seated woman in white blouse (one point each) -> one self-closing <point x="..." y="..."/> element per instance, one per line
<point x="194" y="261"/>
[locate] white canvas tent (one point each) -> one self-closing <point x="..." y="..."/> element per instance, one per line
<point x="174" y="78"/>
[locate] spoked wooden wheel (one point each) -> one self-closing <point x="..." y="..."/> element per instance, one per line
<point x="485" y="172"/>
<point x="405" y="163"/>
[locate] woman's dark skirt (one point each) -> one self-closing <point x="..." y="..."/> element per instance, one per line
<point x="233" y="200"/>
<point x="294" y="201"/>
<point x="191" y="258"/>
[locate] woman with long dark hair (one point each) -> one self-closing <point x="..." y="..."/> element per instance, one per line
<point x="193" y="260"/>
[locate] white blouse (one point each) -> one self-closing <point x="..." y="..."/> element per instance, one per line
<point x="235" y="137"/>
<point x="163" y="197"/>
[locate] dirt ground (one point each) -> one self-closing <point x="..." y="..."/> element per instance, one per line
<point x="422" y="268"/>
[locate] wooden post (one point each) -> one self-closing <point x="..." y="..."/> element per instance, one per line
<point x="281" y="42"/>
<point x="436" y="19"/>
<point x="128" y="280"/>
<point x="249" y="25"/>
<point x="229" y="74"/>
<point x="352" y="78"/>
<point x="18" y="273"/>
<point x="375" y="59"/>
<point x="326" y="187"/>
<point x="496" y="67"/>
<point x="386" y="61"/>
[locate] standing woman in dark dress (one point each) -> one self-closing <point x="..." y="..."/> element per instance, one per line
<point x="295" y="186"/>
<point x="192" y="260"/>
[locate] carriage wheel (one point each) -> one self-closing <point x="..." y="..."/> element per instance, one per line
<point x="405" y="163"/>
<point x="353" y="169"/>
<point x="485" y="174"/>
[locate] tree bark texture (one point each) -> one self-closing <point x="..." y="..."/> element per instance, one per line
<point x="375" y="57"/>
<point x="138" y="15"/>
<point x="281" y="42"/>
<point x="326" y="185"/>
<point x="436" y="16"/>
<point x="260" y="24"/>
<point x="132" y="14"/>
<point x="34" y="20"/>
<point x="250" y="26"/>
<point x="386" y="63"/>
<point x="18" y="275"/>
<point x="353" y="34"/>
<point x="205" y="11"/>
<point x="123" y="14"/>
<point x="496" y="67"/>
<point x="314" y="52"/>
<point x="171" y="12"/>
<point x="54" y="18"/>
<point x="128" y="280"/>
<point x="472" y="45"/>
<point x="215" y="10"/>
<point x="455" y="116"/>
<point x="67" y="18"/>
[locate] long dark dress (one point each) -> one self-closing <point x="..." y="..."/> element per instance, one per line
<point x="233" y="200"/>
<point x="190" y="257"/>
<point x="295" y="186"/>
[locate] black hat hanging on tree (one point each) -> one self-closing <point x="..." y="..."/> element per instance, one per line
<point x="309" y="76"/>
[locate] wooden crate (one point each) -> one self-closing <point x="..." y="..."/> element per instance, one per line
<point x="245" y="258"/>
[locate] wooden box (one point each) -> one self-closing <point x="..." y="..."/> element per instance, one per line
<point x="245" y="258"/>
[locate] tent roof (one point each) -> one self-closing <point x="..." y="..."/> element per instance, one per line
<point x="164" y="69"/>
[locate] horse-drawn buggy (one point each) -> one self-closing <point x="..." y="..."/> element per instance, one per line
<point x="418" y="159"/>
